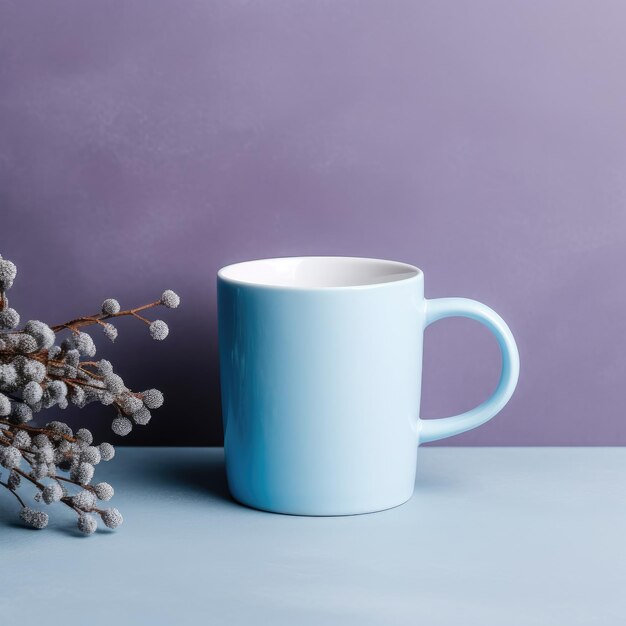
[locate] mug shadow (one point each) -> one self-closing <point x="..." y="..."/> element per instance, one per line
<point x="435" y="482"/>
<point x="193" y="472"/>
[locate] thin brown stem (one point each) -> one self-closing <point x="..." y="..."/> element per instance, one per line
<point x="73" y="482"/>
<point x="42" y="431"/>
<point x="14" y="493"/>
<point x="30" y="478"/>
<point x="87" y="371"/>
<point x="78" y="382"/>
<point x="142" y="318"/>
<point x="88" y="320"/>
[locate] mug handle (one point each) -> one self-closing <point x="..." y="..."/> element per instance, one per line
<point x="439" y="308"/>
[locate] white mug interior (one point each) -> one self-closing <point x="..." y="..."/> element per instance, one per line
<point x="317" y="272"/>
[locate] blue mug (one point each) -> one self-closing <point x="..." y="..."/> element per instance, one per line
<point x="321" y="368"/>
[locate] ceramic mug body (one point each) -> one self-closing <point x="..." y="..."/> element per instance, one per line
<point x="320" y="364"/>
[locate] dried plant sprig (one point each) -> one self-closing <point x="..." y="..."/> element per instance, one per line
<point x="36" y="374"/>
<point x="40" y="456"/>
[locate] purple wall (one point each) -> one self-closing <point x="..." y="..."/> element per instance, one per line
<point x="144" y="143"/>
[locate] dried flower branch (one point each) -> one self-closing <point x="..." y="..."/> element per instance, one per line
<point x="37" y="374"/>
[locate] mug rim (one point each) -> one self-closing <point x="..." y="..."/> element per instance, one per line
<point x="405" y="273"/>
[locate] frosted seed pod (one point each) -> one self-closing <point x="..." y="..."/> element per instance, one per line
<point x="121" y="426"/>
<point x="52" y="493"/>
<point x="10" y="457"/>
<point x="152" y="398"/>
<point x="8" y="272"/>
<point x="32" y="392"/>
<point x="9" y="319"/>
<point x="41" y="332"/>
<point x="87" y="524"/>
<point x="82" y="473"/>
<point x="33" y="518"/>
<point x="107" y="451"/>
<point x="110" y="331"/>
<point x="84" y="500"/>
<point x="142" y="417"/>
<point x="159" y="330"/>
<point x="110" y="306"/>
<point x="5" y="405"/>
<point x="112" y="518"/>
<point x="104" y="491"/>
<point x="85" y="435"/>
<point x="114" y="383"/>
<point x="90" y="454"/>
<point x="170" y="299"/>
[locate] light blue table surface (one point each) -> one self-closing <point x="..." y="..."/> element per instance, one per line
<point x="502" y="536"/>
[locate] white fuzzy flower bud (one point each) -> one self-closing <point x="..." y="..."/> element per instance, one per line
<point x="20" y="413"/>
<point x="9" y="318"/>
<point x="84" y="343"/>
<point x="72" y="357"/>
<point x="170" y="299"/>
<point x="107" y="451"/>
<point x="142" y="417"/>
<point x="77" y="396"/>
<point x="110" y="306"/>
<point x="26" y="344"/>
<point x="30" y="369"/>
<point x="33" y="518"/>
<point x="5" y="405"/>
<point x="114" y="383"/>
<point x="90" y="454"/>
<point x="121" y="426"/>
<point x="8" y="272"/>
<point x="77" y="447"/>
<point x="45" y="455"/>
<point x="104" y="491"/>
<point x="87" y="524"/>
<point x="22" y="439"/>
<point x="55" y="393"/>
<point x="104" y="367"/>
<point x="112" y="518"/>
<point x="41" y="332"/>
<point x="110" y="331"/>
<point x="8" y="376"/>
<point x="12" y="342"/>
<point x="84" y="434"/>
<point x="52" y="493"/>
<point x="84" y="500"/>
<point x="57" y="389"/>
<point x="152" y="398"/>
<point x="41" y="441"/>
<point x="159" y="330"/>
<point x="10" y="457"/>
<point x="32" y="392"/>
<point x="106" y="398"/>
<point x="130" y="403"/>
<point x="82" y="473"/>
<point x="39" y="471"/>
